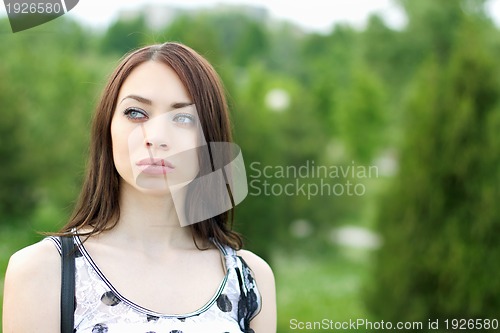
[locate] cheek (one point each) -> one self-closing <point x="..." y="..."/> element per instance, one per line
<point x="184" y="155"/>
<point x="120" y="146"/>
<point x="185" y="143"/>
<point x="183" y="140"/>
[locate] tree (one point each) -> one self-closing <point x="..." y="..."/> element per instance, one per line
<point x="124" y="35"/>
<point x="360" y="118"/>
<point x="440" y="219"/>
<point x="16" y="195"/>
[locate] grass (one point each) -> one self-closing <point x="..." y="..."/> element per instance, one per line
<point x="313" y="288"/>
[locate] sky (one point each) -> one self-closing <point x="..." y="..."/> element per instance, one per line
<point x="315" y="15"/>
<point x="312" y="15"/>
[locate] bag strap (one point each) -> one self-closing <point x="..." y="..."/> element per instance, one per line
<point x="67" y="285"/>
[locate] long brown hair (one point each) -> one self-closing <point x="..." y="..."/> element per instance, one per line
<point x="98" y="204"/>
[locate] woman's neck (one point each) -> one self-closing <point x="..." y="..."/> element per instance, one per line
<point x="150" y="221"/>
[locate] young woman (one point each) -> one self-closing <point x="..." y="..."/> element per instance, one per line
<point x="143" y="263"/>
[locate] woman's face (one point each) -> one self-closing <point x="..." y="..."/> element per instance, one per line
<point x="155" y="131"/>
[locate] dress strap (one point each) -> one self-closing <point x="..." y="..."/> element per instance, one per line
<point x="56" y="241"/>
<point x="250" y="302"/>
<point x="230" y="256"/>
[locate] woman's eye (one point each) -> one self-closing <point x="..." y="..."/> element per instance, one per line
<point x="184" y="119"/>
<point x="135" y="114"/>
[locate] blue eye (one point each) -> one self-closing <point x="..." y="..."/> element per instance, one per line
<point x="184" y="119"/>
<point x="135" y="114"/>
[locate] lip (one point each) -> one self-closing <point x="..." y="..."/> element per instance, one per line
<point x="155" y="166"/>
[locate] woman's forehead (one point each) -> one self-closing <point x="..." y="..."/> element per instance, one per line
<point x="156" y="82"/>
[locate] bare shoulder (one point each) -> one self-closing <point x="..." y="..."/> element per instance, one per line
<point x="32" y="279"/>
<point x="34" y="256"/>
<point x="35" y="262"/>
<point x="258" y="265"/>
<point x="265" y="321"/>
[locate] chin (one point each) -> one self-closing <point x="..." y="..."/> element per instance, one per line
<point x="159" y="190"/>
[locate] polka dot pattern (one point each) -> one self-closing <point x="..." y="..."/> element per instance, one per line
<point x="152" y="318"/>
<point x="100" y="328"/>
<point x="110" y="299"/>
<point x="101" y="309"/>
<point x="224" y="303"/>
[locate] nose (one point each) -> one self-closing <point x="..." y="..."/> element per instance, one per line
<point x="155" y="134"/>
<point x="150" y="144"/>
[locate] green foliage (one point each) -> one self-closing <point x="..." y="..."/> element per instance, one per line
<point x="124" y="35"/>
<point x="188" y="29"/>
<point x="46" y="125"/>
<point x="232" y="36"/>
<point x="16" y="198"/>
<point x="439" y="221"/>
<point x="362" y="105"/>
<point x="429" y="91"/>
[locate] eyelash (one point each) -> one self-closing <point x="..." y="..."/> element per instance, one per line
<point x="144" y="115"/>
<point x="128" y="111"/>
<point x="186" y="115"/>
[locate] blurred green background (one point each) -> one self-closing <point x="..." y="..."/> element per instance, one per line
<point x="410" y="118"/>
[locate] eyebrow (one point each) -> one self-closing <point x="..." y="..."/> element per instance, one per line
<point x="146" y="101"/>
<point x="139" y="99"/>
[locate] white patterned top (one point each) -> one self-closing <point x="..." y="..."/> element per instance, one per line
<point x="100" y="308"/>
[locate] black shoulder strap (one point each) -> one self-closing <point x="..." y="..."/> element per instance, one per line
<point x="67" y="285"/>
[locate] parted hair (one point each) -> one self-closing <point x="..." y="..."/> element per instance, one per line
<point x="98" y="204"/>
